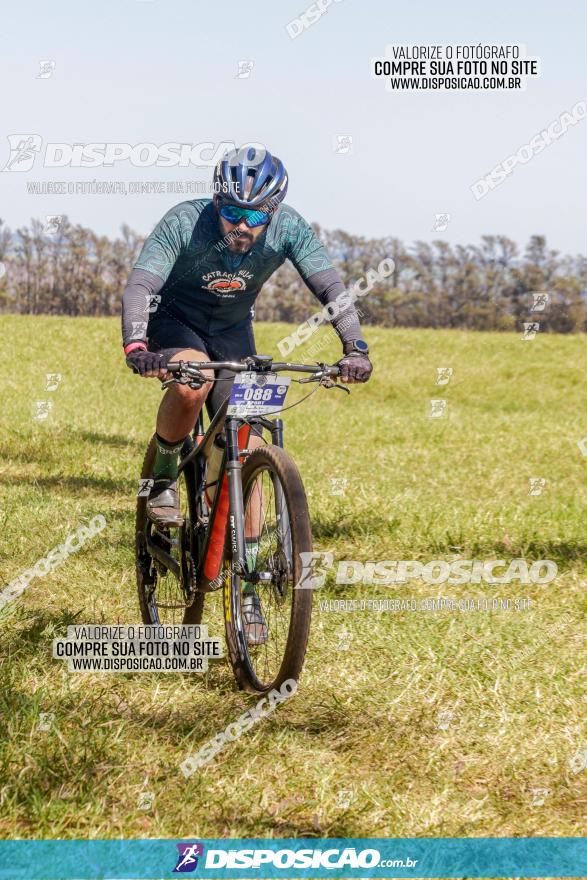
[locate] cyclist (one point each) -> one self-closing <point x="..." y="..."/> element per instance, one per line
<point x="191" y="296"/>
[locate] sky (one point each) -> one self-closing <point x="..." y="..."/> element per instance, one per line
<point x="161" y="71"/>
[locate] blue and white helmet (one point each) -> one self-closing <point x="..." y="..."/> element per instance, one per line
<point x="250" y="178"/>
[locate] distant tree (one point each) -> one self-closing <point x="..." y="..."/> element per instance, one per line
<point x="487" y="286"/>
<point x="5" y="247"/>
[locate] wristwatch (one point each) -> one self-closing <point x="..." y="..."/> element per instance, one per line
<point x="358" y="345"/>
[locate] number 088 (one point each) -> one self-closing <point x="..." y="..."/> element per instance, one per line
<point x="257" y="394"/>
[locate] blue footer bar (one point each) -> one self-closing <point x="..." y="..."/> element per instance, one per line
<point x="341" y="857"/>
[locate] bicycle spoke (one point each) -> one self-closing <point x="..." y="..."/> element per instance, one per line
<point x="270" y="557"/>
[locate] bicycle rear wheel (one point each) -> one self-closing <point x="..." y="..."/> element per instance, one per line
<point x="162" y="598"/>
<point x="276" y="514"/>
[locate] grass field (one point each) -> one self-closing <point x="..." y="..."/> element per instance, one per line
<point x="405" y="724"/>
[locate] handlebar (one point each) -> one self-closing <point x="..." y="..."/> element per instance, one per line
<point x="190" y="372"/>
<point x="250" y="365"/>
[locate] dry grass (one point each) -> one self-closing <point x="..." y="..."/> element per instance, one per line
<point x="359" y="751"/>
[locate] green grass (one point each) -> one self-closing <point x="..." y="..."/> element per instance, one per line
<point x="358" y="751"/>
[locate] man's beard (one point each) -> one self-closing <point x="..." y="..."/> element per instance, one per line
<point x="241" y="243"/>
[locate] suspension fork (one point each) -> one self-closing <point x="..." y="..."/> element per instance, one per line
<point x="275" y="426"/>
<point x="236" y="507"/>
<point x="277" y="432"/>
<point x="283" y="523"/>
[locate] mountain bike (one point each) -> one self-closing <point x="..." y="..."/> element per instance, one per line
<point x="230" y="494"/>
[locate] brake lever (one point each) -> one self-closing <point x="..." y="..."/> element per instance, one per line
<point x="194" y="382"/>
<point x="336" y="385"/>
<point x="325" y="381"/>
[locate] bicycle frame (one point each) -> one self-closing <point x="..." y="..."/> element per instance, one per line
<point x="228" y="500"/>
<point x="228" y="506"/>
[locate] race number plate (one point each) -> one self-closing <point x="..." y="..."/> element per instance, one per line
<point x="257" y="394"/>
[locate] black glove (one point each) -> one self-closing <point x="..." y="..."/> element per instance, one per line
<point x="143" y="362"/>
<point x="355" y="367"/>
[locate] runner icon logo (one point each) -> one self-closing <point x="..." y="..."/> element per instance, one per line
<point x="187" y="861"/>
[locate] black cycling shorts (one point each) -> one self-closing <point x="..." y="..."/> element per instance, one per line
<point x="168" y="336"/>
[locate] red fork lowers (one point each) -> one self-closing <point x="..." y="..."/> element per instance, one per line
<point x="218" y="534"/>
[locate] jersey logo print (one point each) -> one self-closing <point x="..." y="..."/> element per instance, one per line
<point x="225" y="284"/>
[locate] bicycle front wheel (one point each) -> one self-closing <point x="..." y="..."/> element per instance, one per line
<point x="277" y="531"/>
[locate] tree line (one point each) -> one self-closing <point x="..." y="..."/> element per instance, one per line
<point x="70" y="270"/>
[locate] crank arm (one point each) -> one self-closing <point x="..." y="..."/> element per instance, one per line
<point x="164" y="558"/>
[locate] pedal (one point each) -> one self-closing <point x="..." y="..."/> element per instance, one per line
<point x="161" y="522"/>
